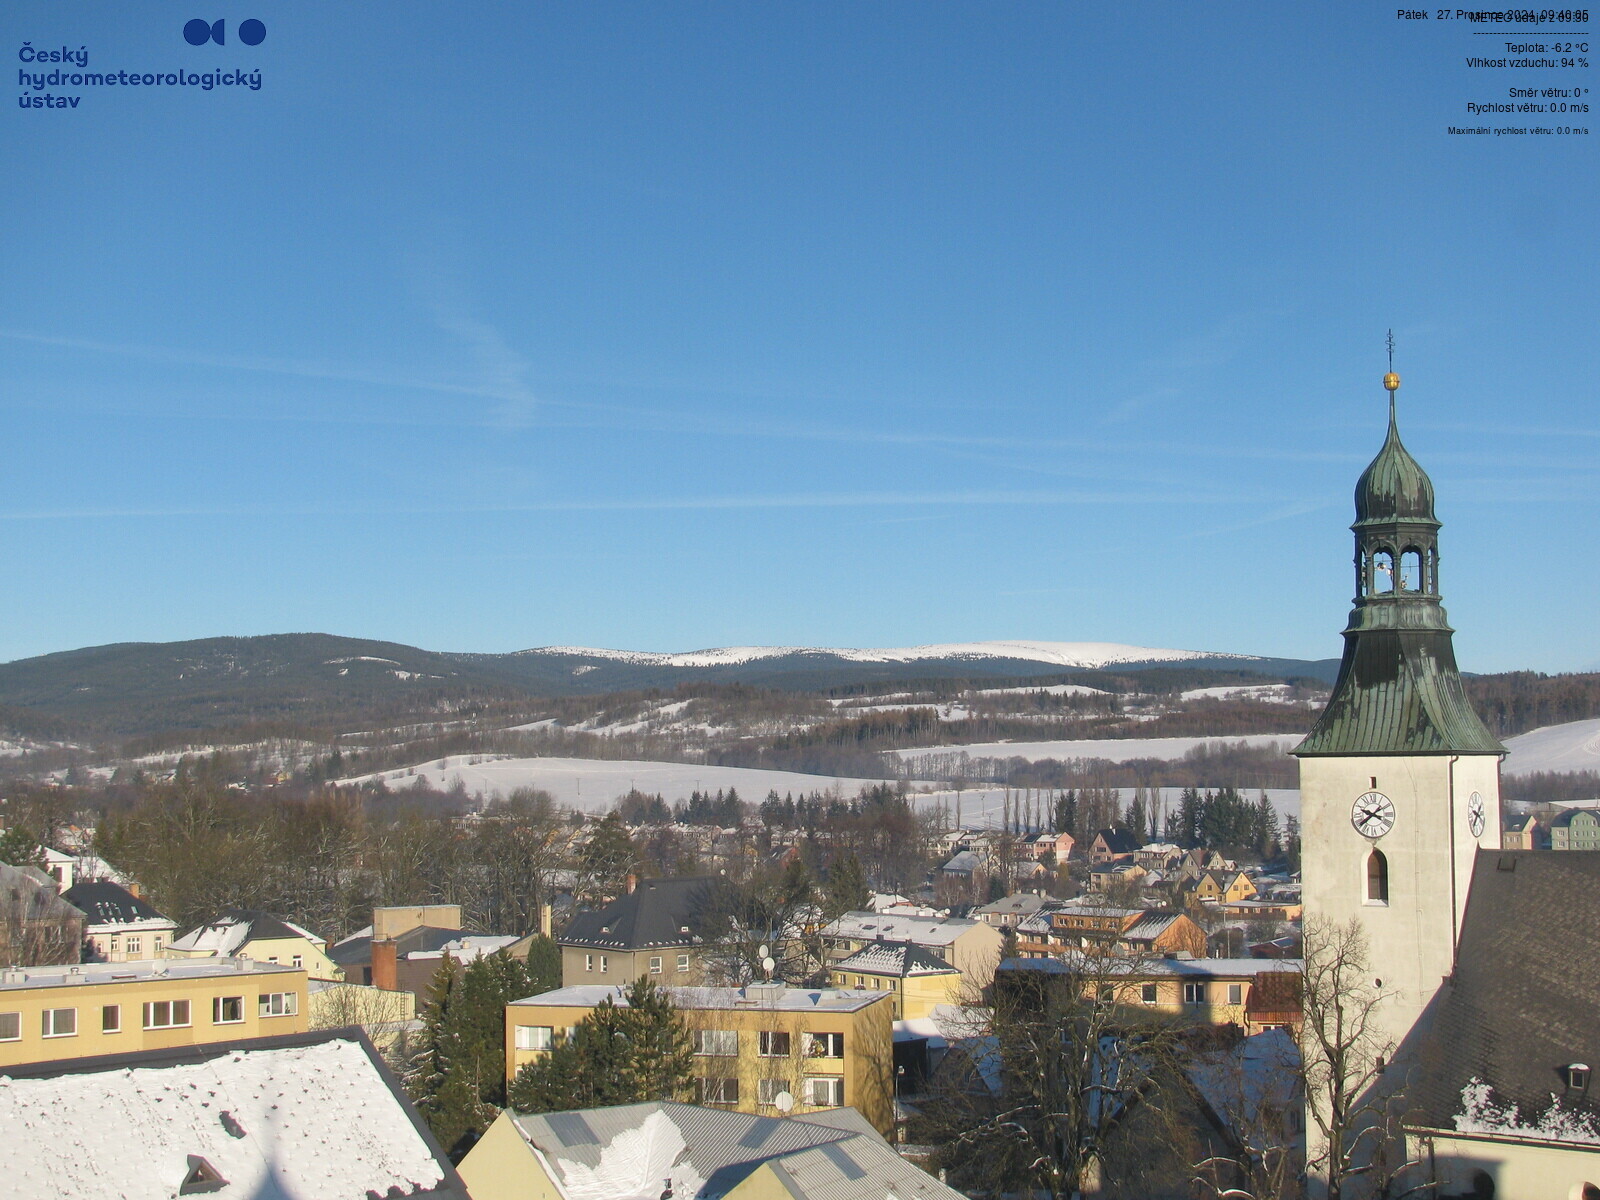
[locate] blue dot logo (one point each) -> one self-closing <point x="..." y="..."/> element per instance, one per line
<point x="198" y="32"/>
<point x="252" y="32"/>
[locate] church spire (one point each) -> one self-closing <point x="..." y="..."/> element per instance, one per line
<point x="1398" y="691"/>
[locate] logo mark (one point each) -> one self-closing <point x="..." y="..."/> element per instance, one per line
<point x="198" y="32"/>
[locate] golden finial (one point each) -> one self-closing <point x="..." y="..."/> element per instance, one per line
<point x="1391" y="381"/>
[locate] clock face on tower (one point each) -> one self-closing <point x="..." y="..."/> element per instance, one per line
<point x="1476" y="814"/>
<point x="1372" y="814"/>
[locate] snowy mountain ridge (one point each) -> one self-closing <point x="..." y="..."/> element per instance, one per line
<point x="1083" y="655"/>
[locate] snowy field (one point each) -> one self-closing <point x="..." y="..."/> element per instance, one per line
<point x="1110" y="749"/>
<point x="592" y="784"/>
<point x="1572" y="747"/>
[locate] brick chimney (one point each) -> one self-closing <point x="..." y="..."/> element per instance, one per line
<point x="630" y="883"/>
<point x="386" y="966"/>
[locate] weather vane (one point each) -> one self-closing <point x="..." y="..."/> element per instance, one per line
<point x="1391" y="381"/>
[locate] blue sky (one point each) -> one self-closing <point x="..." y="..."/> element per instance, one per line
<point x="672" y="325"/>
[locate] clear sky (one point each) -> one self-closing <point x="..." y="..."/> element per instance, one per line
<point x="673" y="325"/>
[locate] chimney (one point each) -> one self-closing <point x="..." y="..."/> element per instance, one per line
<point x="386" y="966"/>
<point x="631" y="883"/>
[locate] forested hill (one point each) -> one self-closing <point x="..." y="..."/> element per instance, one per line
<point x="312" y="678"/>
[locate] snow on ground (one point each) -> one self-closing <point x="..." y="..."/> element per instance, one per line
<point x="1063" y="654"/>
<point x="592" y="784"/>
<point x="1571" y="747"/>
<point x="1253" y="691"/>
<point x="1111" y="749"/>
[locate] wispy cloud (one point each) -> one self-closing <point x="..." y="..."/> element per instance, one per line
<point x="800" y="500"/>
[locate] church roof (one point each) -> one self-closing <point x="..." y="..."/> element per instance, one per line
<point x="1394" y="487"/>
<point x="1519" y="1006"/>
<point x="1398" y="692"/>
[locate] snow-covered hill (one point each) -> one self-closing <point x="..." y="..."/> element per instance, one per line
<point x="1083" y="655"/>
<point x="1571" y="747"/>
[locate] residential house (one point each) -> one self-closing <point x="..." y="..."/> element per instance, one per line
<point x="266" y="1118"/>
<point x="962" y="866"/>
<point x="384" y="1016"/>
<point x="1007" y="911"/>
<point x="819" y="1047"/>
<point x="1157" y="934"/>
<point x="971" y="947"/>
<point x="1575" y="829"/>
<point x="1056" y="846"/>
<point x="1525" y="833"/>
<point x="402" y="949"/>
<point x="37" y="926"/>
<point x="1112" y="845"/>
<point x="917" y="980"/>
<point x="1103" y="876"/>
<point x="119" y="927"/>
<point x="640" y="1150"/>
<point x="1158" y="856"/>
<point x="58" y="1012"/>
<point x="651" y="930"/>
<point x="250" y="933"/>
<point x="1220" y="887"/>
<point x="1205" y="991"/>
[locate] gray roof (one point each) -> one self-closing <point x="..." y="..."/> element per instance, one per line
<point x="107" y="903"/>
<point x="1520" y="1004"/>
<point x="657" y="913"/>
<point x="834" y="1155"/>
<point x="772" y="996"/>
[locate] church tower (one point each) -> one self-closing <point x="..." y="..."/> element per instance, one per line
<point x="1399" y="779"/>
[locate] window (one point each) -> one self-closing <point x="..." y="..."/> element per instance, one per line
<point x="165" y="1014"/>
<point x="1236" y="993"/>
<point x="603" y="962"/>
<point x="156" y="942"/>
<point x="773" y="1043"/>
<point x="1576" y="1075"/>
<point x="535" y="1037"/>
<point x="10" y="1027"/>
<point x="683" y="962"/>
<point x="59" y="1022"/>
<point x="721" y="1042"/>
<point x="111" y="1018"/>
<point x="655" y="964"/>
<point x="824" y="1045"/>
<point x="768" y="1090"/>
<point x="719" y="1091"/>
<point x="1147" y="993"/>
<point x="1194" y="993"/>
<point x="227" y="1010"/>
<point x="298" y="960"/>
<point x="588" y="962"/>
<point x="278" y="1004"/>
<point x="1377" y="878"/>
<point x="825" y="1091"/>
<point x="132" y="945"/>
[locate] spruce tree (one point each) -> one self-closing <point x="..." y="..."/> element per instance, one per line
<point x="543" y="965"/>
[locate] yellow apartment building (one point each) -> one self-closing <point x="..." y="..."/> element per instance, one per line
<point x="48" y="1014"/>
<point x="916" y="980"/>
<point x="764" y="1049"/>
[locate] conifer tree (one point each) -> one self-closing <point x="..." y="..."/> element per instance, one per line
<point x="440" y="1080"/>
<point x="616" y="1055"/>
<point x="543" y="965"/>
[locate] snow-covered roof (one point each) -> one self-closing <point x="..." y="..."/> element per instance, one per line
<point x="238" y="927"/>
<point x="20" y="978"/>
<point x="755" y="996"/>
<point x="899" y="959"/>
<point x="636" y="1151"/>
<point x="275" y="1118"/>
<point x="470" y="948"/>
<point x="925" y="931"/>
<point x="1203" y="968"/>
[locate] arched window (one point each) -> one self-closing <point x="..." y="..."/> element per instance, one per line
<point x="1383" y="572"/>
<point x="1432" y="584"/>
<point x="1411" y="569"/>
<point x="1377" y="878"/>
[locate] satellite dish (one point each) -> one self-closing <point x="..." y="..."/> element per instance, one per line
<point x="767" y="964"/>
<point x="783" y="1101"/>
<point x="765" y="950"/>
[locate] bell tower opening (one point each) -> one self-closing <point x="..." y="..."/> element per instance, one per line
<point x="1377" y="877"/>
